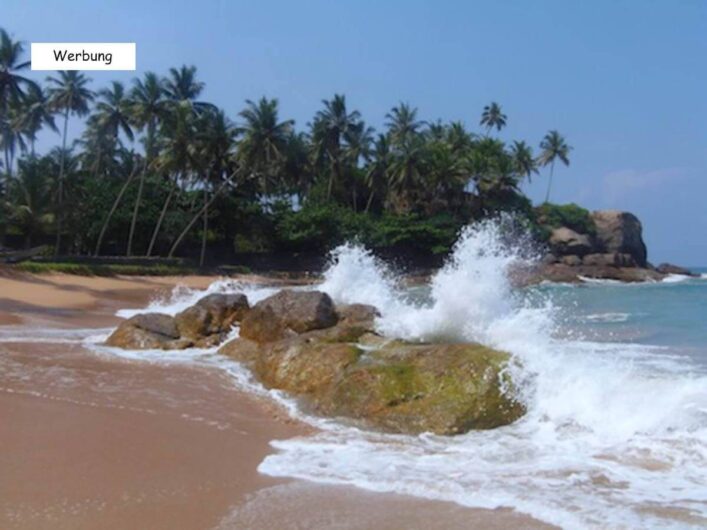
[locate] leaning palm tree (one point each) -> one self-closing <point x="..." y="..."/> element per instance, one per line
<point x="69" y="94"/>
<point x="554" y="147"/>
<point x="112" y="116"/>
<point x="493" y="117"/>
<point x="523" y="160"/>
<point x="263" y="147"/>
<point x="377" y="171"/>
<point x="35" y="114"/>
<point x="148" y="107"/>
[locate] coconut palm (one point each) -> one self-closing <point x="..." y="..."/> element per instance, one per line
<point x="377" y="171"/>
<point x="35" y="113"/>
<point x="329" y="129"/>
<point x="358" y="140"/>
<point x="181" y="87"/>
<point x="68" y="94"/>
<point x="402" y="124"/>
<point x="30" y="198"/>
<point x="523" y="160"/>
<point x="554" y="147"/>
<point x="264" y="141"/>
<point x="493" y="117"/>
<point x="148" y="107"/>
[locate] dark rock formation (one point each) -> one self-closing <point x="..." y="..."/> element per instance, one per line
<point x="564" y="241"/>
<point x="146" y="331"/>
<point x="669" y="268"/>
<point x="620" y="232"/>
<point x="213" y="314"/>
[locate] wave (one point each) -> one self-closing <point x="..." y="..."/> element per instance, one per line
<point x="615" y="434"/>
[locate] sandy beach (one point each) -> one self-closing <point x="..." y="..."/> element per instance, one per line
<point x="90" y="441"/>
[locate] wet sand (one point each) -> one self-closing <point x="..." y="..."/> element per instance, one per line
<point x="90" y="441"/>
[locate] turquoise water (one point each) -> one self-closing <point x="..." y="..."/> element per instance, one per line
<point x="672" y="314"/>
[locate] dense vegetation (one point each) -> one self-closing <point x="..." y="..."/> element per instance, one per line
<point x="160" y="172"/>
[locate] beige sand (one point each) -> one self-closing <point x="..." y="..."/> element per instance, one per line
<point x="89" y="442"/>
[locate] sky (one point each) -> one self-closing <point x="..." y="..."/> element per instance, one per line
<point x="624" y="81"/>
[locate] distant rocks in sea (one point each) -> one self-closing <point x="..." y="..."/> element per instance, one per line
<point x="332" y="359"/>
<point x="612" y="249"/>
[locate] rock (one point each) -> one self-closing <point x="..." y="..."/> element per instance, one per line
<point x="390" y="385"/>
<point x="564" y="241"/>
<point x="669" y="268"/>
<point x="620" y="232"/>
<point x="213" y="314"/>
<point x="147" y="331"/>
<point x="286" y="312"/>
<point x="414" y="388"/>
<point x="571" y="260"/>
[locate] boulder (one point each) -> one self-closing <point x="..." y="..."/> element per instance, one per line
<point x="571" y="260"/>
<point x="147" y="331"/>
<point x="286" y="312"/>
<point x="211" y="315"/>
<point x="610" y="259"/>
<point x="669" y="268"/>
<point x="564" y="241"/>
<point x="620" y="232"/>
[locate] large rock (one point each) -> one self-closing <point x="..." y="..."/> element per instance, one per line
<point x="565" y="241"/>
<point x="286" y="312"/>
<point x="620" y="232"/>
<point x="610" y="259"/>
<point x="213" y="314"/>
<point x="146" y="331"/>
<point x="389" y="385"/>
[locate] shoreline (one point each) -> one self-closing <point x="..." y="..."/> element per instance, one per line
<point x="90" y="441"/>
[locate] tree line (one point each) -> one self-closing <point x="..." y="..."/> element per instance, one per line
<point x="158" y="171"/>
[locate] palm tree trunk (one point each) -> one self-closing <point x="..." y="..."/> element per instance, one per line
<point x="369" y="202"/>
<point x="133" y="222"/>
<point x="198" y="214"/>
<point x="549" y="182"/>
<point x="206" y="227"/>
<point x="161" y="218"/>
<point x="112" y="210"/>
<point x="8" y="165"/>
<point x="60" y="213"/>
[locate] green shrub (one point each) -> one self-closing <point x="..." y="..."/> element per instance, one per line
<point x="572" y="216"/>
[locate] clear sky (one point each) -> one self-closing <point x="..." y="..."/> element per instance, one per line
<point x="624" y="81"/>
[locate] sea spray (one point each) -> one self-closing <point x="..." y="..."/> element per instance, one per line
<point x="615" y="435"/>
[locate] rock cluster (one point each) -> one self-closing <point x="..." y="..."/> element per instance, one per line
<point x="333" y="360"/>
<point x="614" y="250"/>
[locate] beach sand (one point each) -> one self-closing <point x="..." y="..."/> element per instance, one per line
<point x="96" y="442"/>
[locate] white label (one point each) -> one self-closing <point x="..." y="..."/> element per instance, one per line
<point x="83" y="56"/>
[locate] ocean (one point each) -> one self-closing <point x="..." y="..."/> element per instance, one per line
<point x="614" y="377"/>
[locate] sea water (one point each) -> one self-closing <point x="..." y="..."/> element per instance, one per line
<point x="614" y="377"/>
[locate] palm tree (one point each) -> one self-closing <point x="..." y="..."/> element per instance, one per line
<point x="402" y="124"/>
<point x="111" y="117"/>
<point x="358" y="148"/>
<point x="553" y="148"/>
<point x="377" y="172"/>
<point x="215" y="137"/>
<point x="69" y="94"/>
<point x="523" y="160"/>
<point x="12" y="86"/>
<point x="30" y="198"/>
<point x="147" y="104"/>
<point x="182" y="88"/>
<point x="264" y="144"/>
<point x="35" y="113"/>
<point x="329" y="128"/>
<point x="493" y="117"/>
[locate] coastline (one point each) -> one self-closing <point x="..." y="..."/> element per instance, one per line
<point x="91" y="441"/>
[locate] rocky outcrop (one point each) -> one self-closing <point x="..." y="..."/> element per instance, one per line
<point x="349" y="371"/>
<point x="333" y="360"/>
<point x="204" y="324"/>
<point x="621" y="233"/>
<point x="613" y="248"/>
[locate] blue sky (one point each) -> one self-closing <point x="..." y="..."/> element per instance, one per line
<point x="624" y="81"/>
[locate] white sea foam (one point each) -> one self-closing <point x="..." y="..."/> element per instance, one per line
<point x="608" y="317"/>
<point x="615" y="435"/>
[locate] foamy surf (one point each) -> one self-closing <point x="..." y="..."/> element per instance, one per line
<point x="615" y="435"/>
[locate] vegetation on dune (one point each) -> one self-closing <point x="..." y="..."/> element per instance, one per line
<point x="159" y="171"/>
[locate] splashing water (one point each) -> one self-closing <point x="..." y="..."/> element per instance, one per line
<point x="615" y="435"/>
